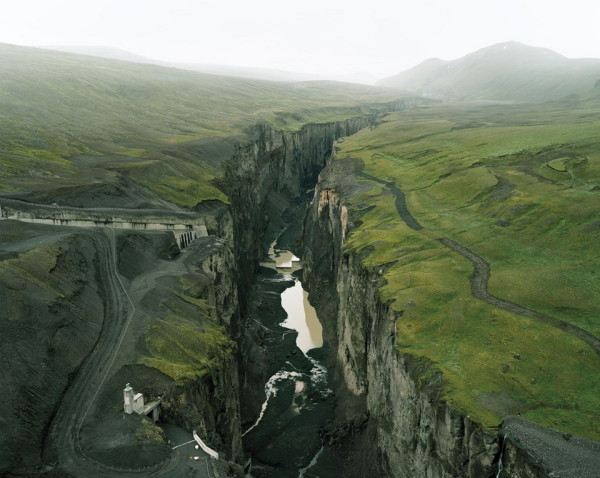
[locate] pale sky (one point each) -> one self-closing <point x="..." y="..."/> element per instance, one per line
<point x="327" y="37"/>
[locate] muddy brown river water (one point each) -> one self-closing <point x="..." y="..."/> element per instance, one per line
<point x="285" y="439"/>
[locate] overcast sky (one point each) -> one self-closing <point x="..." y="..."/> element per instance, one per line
<point x="381" y="37"/>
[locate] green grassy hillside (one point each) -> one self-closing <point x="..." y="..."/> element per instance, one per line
<point x="93" y="125"/>
<point x="520" y="187"/>
<point x="508" y="71"/>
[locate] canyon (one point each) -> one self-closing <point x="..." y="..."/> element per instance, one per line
<point x="143" y="258"/>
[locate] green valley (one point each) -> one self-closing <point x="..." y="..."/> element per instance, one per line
<point x="446" y="243"/>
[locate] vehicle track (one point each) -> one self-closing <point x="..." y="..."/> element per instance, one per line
<point x="482" y="272"/>
<point x="63" y="444"/>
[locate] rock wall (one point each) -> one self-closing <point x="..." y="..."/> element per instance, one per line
<point x="211" y="404"/>
<point x="415" y="433"/>
<point x="517" y="462"/>
<point x="270" y="169"/>
<point x="412" y="430"/>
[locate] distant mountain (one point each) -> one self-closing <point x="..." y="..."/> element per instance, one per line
<point x="214" y="69"/>
<point x="588" y="98"/>
<point x="507" y="72"/>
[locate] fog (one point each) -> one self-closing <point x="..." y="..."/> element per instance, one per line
<point x="323" y="37"/>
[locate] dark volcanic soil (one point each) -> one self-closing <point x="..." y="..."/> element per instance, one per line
<point x="51" y="312"/>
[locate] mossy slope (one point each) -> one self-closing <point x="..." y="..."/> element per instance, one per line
<point x="183" y="340"/>
<point x="480" y="176"/>
<point x="74" y="121"/>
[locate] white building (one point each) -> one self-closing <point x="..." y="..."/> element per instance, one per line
<point x="133" y="402"/>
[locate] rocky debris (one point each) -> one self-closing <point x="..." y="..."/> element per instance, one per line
<point x="535" y="451"/>
<point x="335" y="432"/>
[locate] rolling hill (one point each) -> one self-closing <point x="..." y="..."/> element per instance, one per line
<point x="78" y="126"/>
<point x="505" y="72"/>
<point x="255" y="73"/>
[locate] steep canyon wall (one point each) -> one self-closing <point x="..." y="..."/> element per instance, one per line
<point x="415" y="432"/>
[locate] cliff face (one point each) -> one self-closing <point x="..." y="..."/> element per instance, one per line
<point x="55" y="292"/>
<point x="268" y="172"/>
<point x="271" y="168"/>
<point x="217" y="397"/>
<point x="205" y="274"/>
<point x="416" y="434"/>
<point x="210" y="405"/>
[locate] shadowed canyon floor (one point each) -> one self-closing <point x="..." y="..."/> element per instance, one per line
<point x="284" y="437"/>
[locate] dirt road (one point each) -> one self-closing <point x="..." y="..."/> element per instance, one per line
<point x="482" y="272"/>
<point x="63" y="448"/>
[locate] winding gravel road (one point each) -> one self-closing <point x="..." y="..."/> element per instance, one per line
<point x="63" y="443"/>
<point x="482" y="271"/>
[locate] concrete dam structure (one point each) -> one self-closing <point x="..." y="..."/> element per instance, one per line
<point x="186" y="227"/>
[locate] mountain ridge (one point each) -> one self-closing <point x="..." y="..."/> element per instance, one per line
<point x="508" y="71"/>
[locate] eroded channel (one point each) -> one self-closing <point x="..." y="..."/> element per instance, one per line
<point x="284" y="436"/>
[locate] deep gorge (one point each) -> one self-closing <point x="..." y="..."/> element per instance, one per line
<point x="376" y="415"/>
<point x="416" y="435"/>
<point x="385" y="419"/>
<point x="448" y="250"/>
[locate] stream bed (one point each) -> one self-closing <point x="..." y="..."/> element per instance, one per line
<point x="284" y="436"/>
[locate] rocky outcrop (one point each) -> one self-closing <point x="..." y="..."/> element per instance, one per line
<point x="415" y="432"/>
<point x="533" y="451"/>
<point x="210" y="404"/>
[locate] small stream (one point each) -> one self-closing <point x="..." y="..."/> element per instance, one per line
<point x="284" y="439"/>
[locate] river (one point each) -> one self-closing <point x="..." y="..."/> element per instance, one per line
<point x="284" y="439"/>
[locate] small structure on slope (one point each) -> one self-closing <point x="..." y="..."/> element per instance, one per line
<point x="134" y="402"/>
